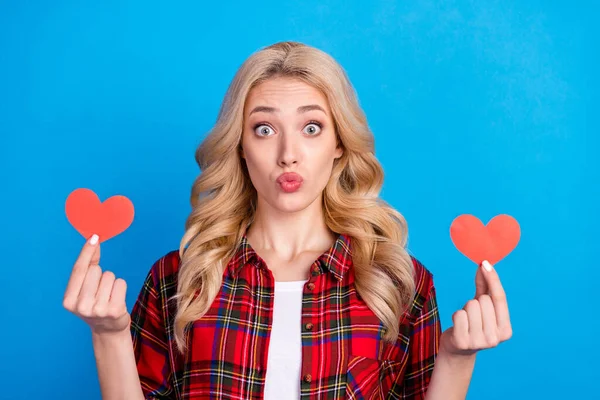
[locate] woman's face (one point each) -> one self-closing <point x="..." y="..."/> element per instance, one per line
<point x="289" y="143"/>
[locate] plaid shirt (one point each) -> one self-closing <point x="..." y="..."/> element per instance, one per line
<point x="343" y="354"/>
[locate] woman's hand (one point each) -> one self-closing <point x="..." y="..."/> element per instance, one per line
<point x="96" y="297"/>
<point x="483" y="322"/>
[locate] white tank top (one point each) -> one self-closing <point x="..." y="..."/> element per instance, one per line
<point x="285" y="346"/>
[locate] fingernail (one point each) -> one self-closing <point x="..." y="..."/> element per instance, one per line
<point x="94" y="239"/>
<point x="486" y="264"/>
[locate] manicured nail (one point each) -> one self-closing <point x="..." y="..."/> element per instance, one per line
<point x="486" y="264"/>
<point x="94" y="239"/>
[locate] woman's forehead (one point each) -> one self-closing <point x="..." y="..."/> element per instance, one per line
<point x="285" y="94"/>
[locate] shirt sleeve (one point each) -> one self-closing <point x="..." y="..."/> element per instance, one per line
<point x="150" y="342"/>
<point x="423" y="346"/>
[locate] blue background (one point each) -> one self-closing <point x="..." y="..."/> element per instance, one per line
<point x="482" y="107"/>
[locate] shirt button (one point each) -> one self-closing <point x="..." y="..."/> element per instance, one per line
<point x="316" y="269"/>
<point x="309" y="326"/>
<point x="310" y="286"/>
<point x="308" y="378"/>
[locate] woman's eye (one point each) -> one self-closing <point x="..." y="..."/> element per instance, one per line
<point x="263" y="130"/>
<point x="312" y="129"/>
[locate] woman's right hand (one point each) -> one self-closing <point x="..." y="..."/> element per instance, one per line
<point x="96" y="297"/>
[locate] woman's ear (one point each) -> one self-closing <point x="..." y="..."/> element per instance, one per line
<point x="339" y="150"/>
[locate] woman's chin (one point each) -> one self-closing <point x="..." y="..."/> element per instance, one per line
<point x="295" y="203"/>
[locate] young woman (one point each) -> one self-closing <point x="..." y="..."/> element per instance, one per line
<point x="292" y="279"/>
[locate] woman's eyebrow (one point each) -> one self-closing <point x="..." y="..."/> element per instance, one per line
<point x="300" y="110"/>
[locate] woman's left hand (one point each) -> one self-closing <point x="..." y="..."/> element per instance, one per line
<point x="483" y="322"/>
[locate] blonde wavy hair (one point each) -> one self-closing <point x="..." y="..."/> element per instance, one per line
<point x="223" y="197"/>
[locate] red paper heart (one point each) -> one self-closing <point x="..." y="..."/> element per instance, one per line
<point x="492" y="242"/>
<point x="89" y="216"/>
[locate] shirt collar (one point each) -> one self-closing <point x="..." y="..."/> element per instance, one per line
<point x="337" y="259"/>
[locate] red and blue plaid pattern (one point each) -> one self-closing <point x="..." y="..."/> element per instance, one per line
<point x="343" y="354"/>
